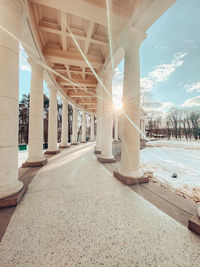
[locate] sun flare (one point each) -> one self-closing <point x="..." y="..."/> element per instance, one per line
<point x="117" y="103"/>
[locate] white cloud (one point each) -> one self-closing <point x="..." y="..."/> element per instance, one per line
<point x="158" y="106"/>
<point x="195" y="101"/>
<point x="149" y="104"/>
<point x="23" y="64"/>
<point x="193" y="87"/>
<point x="161" y="73"/>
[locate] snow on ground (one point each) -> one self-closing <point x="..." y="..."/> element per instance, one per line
<point x="22" y="157"/>
<point x="180" y="157"/>
<point x="175" y="143"/>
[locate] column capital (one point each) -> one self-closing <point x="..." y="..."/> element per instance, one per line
<point x="107" y="72"/>
<point x="34" y="64"/>
<point x="52" y="88"/>
<point x="64" y="100"/>
<point x="18" y="5"/>
<point x="99" y="90"/>
<point x="132" y="35"/>
<point x="74" y="107"/>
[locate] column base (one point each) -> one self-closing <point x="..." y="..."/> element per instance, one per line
<point x="67" y="146"/>
<point x="83" y="142"/>
<point x="115" y="141"/>
<point x="194" y="224"/>
<point x="106" y="160"/>
<point x="50" y="152"/>
<point x="96" y="151"/>
<point x="13" y="200"/>
<point x="34" y="164"/>
<point x="130" y="181"/>
<point x="75" y="143"/>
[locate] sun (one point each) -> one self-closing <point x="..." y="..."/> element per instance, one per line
<point x="117" y="103"/>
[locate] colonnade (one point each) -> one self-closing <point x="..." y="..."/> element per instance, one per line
<point x="9" y="75"/>
<point x="9" y="106"/>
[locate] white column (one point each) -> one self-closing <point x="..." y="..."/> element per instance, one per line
<point x="130" y="148"/>
<point x="106" y="136"/>
<point x="64" y="134"/>
<point x="99" y="120"/>
<point x="140" y="128"/>
<point x="35" y="139"/>
<point x="53" y="121"/>
<point x="116" y="129"/>
<point x="144" y="129"/>
<point x="119" y="127"/>
<point x="10" y="13"/>
<point x="74" y="126"/>
<point x="83" y="136"/>
<point x="92" y="128"/>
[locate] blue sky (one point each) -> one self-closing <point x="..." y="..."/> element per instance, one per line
<point x="170" y="60"/>
<point x="25" y="76"/>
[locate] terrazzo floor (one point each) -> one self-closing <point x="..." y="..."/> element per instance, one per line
<point x="75" y="213"/>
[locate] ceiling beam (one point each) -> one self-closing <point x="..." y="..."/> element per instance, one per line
<point x="63" y="30"/>
<point x="46" y="28"/>
<point x="81" y="84"/>
<point x="82" y="94"/>
<point x="70" y="58"/>
<point x="85" y="82"/>
<point x="68" y="72"/>
<point x="86" y="102"/>
<point x="85" y="10"/>
<point x="89" y="35"/>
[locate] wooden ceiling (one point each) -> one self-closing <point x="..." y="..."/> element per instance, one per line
<point x="50" y="19"/>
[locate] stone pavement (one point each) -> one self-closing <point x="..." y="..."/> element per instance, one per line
<point x="75" y="213"/>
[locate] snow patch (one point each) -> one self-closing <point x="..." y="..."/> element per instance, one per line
<point x="165" y="160"/>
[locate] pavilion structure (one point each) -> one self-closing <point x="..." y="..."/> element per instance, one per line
<point x="74" y="46"/>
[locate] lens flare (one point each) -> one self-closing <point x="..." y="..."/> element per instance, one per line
<point x="117" y="103"/>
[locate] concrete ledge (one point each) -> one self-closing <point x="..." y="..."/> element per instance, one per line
<point x="96" y="151"/>
<point x="75" y="143"/>
<point x="13" y="200"/>
<point x="194" y="224"/>
<point x="130" y="181"/>
<point x="48" y="152"/>
<point x="34" y="164"/>
<point x="103" y="160"/>
<point x="64" y="146"/>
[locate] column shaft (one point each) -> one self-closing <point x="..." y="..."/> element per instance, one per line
<point x="106" y="136"/>
<point x="10" y="13"/>
<point x="83" y="137"/>
<point x="99" y="120"/>
<point x="64" y="133"/>
<point x="74" y="126"/>
<point x="92" y="128"/>
<point x="116" y="129"/>
<point x="35" y="140"/>
<point x="129" y="171"/>
<point x="53" y="122"/>
<point x="130" y="149"/>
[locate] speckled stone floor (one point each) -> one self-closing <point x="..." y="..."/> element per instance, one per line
<point x="76" y="213"/>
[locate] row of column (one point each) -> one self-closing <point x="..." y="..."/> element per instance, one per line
<point x="129" y="170"/>
<point x="35" y="146"/>
<point x="9" y="106"/>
